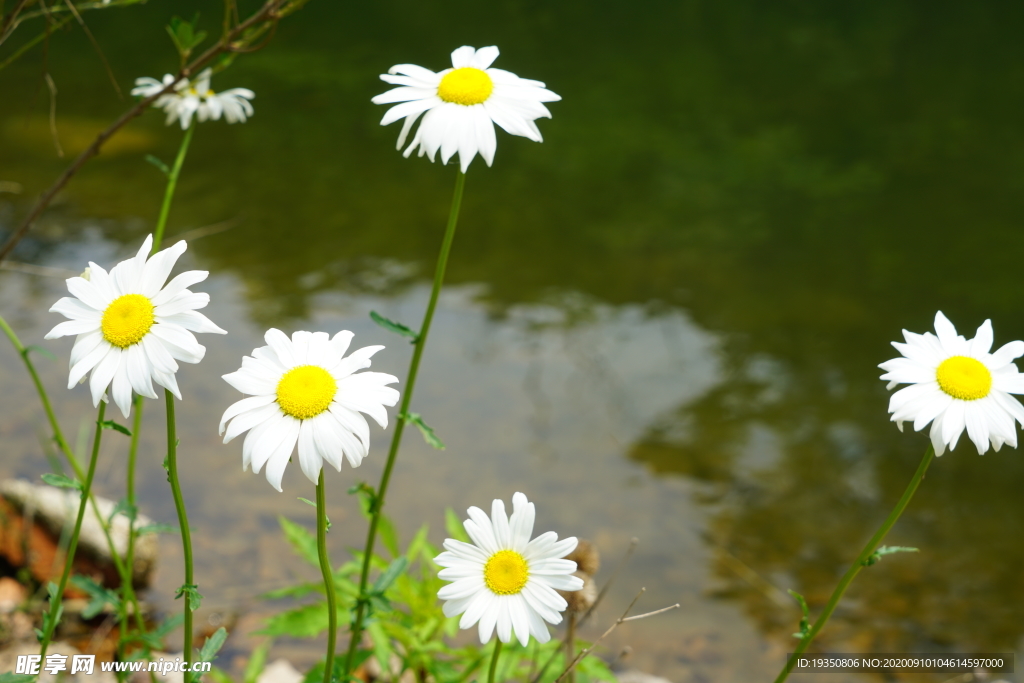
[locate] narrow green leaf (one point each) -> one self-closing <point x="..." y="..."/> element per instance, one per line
<point x="62" y="481"/>
<point x="157" y="528"/>
<point x="110" y="424"/>
<point x="388" y="535"/>
<point x="392" y="326"/>
<point x="123" y="507"/>
<point x="11" y="677"/>
<point x="164" y="168"/>
<point x="302" y="622"/>
<point x="39" y="349"/>
<point x="805" y="622"/>
<point x="217" y="675"/>
<point x="428" y="432"/>
<point x="100" y="596"/>
<point x="257" y="662"/>
<point x="195" y="598"/>
<point x="301" y="539"/>
<point x="887" y="550"/>
<point x="453" y="525"/>
<point x="390" y="574"/>
<point x="213" y="645"/>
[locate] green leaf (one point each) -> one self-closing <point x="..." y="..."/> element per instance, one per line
<point x="301" y="539"/>
<point x="101" y="596"/>
<point x="125" y="508"/>
<point x="195" y="598"/>
<point x="296" y="591"/>
<point x="307" y="501"/>
<point x="155" y="638"/>
<point x="392" y="326"/>
<point x="217" y="675"/>
<point x="39" y="349"/>
<point x="62" y="481"/>
<point x="805" y="621"/>
<point x="213" y="645"/>
<point x="302" y="622"/>
<point x="164" y="168"/>
<point x="388" y="535"/>
<point x="394" y="570"/>
<point x="110" y="424"/>
<point x="453" y="525"/>
<point x="156" y="528"/>
<point x="425" y="430"/>
<point x="887" y="550"/>
<point x="257" y="662"/>
<point x="11" y="677"/>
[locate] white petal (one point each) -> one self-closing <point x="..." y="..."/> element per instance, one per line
<point x="155" y="273"/>
<point x="180" y="282"/>
<point x="103" y="373"/>
<point x="245" y="405"/>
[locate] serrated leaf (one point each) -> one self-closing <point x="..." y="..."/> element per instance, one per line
<point x="257" y="662"/>
<point x="110" y="424"/>
<point x="426" y="430"/>
<point x="62" y="481"/>
<point x="39" y="349"/>
<point x="217" y="675"/>
<point x="301" y="539"/>
<point x="100" y="596"/>
<point x="164" y="168"/>
<point x="302" y="622"/>
<point x="453" y="525"/>
<point x="195" y="598"/>
<point x="392" y="326"/>
<point x="125" y="508"/>
<point x="213" y="645"/>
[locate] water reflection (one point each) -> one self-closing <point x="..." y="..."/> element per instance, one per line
<point x="736" y="207"/>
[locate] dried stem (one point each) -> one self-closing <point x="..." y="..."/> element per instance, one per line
<point x="233" y="42"/>
<point x="620" y="620"/>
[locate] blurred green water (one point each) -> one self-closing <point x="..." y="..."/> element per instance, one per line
<point x="801" y="180"/>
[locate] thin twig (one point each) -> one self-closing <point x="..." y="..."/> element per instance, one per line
<point x="597" y="601"/>
<point x="96" y="46"/>
<point x="53" y="113"/>
<point x="621" y="620"/>
<point x="7" y="27"/>
<point x="269" y="11"/>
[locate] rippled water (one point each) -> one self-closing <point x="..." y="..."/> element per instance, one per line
<point x="663" y="322"/>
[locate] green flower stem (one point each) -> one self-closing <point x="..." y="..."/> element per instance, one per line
<point x="172" y="182"/>
<point x="186" y="537"/>
<point x="494" y="660"/>
<point x="396" y="438"/>
<point x="55" y="602"/>
<point x="860" y="562"/>
<point x="325" y="569"/>
<point x="127" y="586"/>
<point x="123" y="569"/>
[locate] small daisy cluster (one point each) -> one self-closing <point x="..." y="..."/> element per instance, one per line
<point x="195" y="98"/>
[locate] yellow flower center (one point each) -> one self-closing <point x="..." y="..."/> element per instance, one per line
<point x="127" y="320"/>
<point x="506" y="572"/>
<point x="465" y="86"/>
<point x="964" y="378"/>
<point x="306" y="391"/>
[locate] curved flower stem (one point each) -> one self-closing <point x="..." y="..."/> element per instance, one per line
<point x="123" y="568"/>
<point x="53" y="614"/>
<point x="396" y="438"/>
<point x="325" y="569"/>
<point x="186" y="538"/>
<point x="172" y="182"/>
<point x="494" y="660"/>
<point x="860" y="562"/>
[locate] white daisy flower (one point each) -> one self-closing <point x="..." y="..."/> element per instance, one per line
<point x="303" y="391"/>
<point x="462" y="104"/>
<point x="503" y="578"/>
<point x="196" y="98"/>
<point x="956" y="384"/>
<point x="131" y="328"/>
